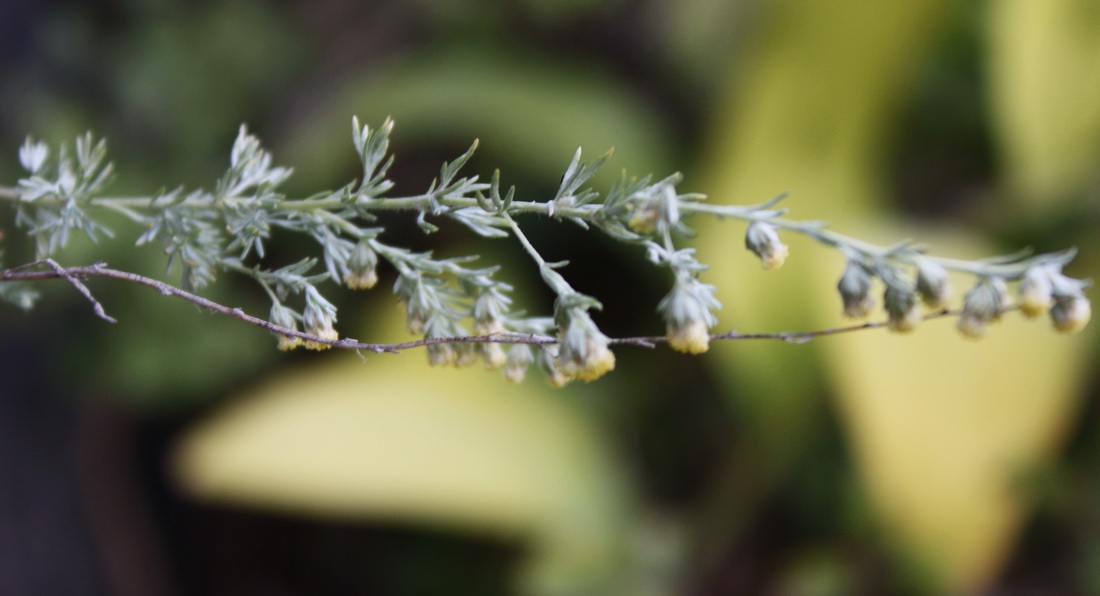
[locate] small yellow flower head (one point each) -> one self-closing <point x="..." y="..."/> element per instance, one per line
<point x="491" y="352"/>
<point x="284" y="317"/>
<point x="600" y="361"/>
<point x="644" y="218"/>
<point x="855" y="290"/>
<point x="415" y="324"/>
<point x="441" y="354"/>
<point x="655" y="207"/>
<point x="488" y="311"/>
<point x="421" y="300"/>
<point x="362" y="271"/>
<point x="693" y="338"/>
<point x="548" y="361"/>
<point x="557" y="379"/>
<point x="363" y="280"/>
<point x="447" y="353"/>
<point x="519" y="359"/>
<point x="493" y="355"/>
<point x="932" y="284"/>
<point x="971" y="326"/>
<point x="1071" y="313"/>
<point x="1036" y="291"/>
<point x="902" y="306"/>
<point x="319" y="317"/>
<point x="763" y="240"/>
<point x="286" y="342"/>
<point x="983" y="304"/>
<point x="465" y="355"/>
<point x="687" y="311"/>
<point x="583" y="353"/>
<point x="322" y="328"/>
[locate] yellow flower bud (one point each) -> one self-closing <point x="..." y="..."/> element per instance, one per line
<point x="1036" y="292"/>
<point x="691" y="338"/>
<point x="763" y="240"/>
<point x="1071" y="314"/>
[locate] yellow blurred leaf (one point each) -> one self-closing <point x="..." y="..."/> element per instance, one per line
<point x="1044" y="86"/>
<point x="393" y="439"/>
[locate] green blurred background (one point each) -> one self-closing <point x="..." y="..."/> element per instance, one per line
<point x="179" y="453"/>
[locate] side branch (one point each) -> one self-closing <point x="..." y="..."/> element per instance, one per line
<point x="74" y="274"/>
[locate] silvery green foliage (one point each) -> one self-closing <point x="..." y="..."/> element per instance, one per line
<point x="205" y="233"/>
<point x="55" y="197"/>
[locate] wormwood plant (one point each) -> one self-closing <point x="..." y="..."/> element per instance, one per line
<point x="462" y="312"/>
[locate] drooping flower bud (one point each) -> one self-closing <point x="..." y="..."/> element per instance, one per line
<point x="466" y="354"/>
<point x="583" y="351"/>
<point x="1036" y="291"/>
<point x="492" y="354"/>
<point x="319" y="316"/>
<point x="441" y="354"/>
<point x="548" y="360"/>
<point x="855" y="290"/>
<point x="932" y="283"/>
<point x="420" y="298"/>
<point x="902" y="305"/>
<point x="1071" y="312"/>
<point x="687" y="314"/>
<point x="284" y="317"/>
<point x="519" y="358"/>
<point x="362" y="267"/>
<point x="488" y="312"/>
<point x="763" y="240"/>
<point x="983" y="304"/>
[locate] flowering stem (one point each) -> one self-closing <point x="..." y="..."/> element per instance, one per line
<point x="74" y="274"/>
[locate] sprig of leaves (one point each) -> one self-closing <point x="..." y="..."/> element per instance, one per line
<point x="227" y="229"/>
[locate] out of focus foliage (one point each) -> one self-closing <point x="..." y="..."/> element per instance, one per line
<point x="868" y="464"/>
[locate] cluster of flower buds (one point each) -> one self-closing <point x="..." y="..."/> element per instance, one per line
<point x="1042" y="289"/>
<point x="583" y="351"/>
<point x="447" y="353"/>
<point x="902" y="297"/>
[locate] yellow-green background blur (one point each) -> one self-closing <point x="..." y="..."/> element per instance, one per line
<point x="180" y="453"/>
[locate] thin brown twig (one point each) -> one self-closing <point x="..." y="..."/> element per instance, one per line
<point x="80" y="287"/>
<point x="74" y="274"/>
